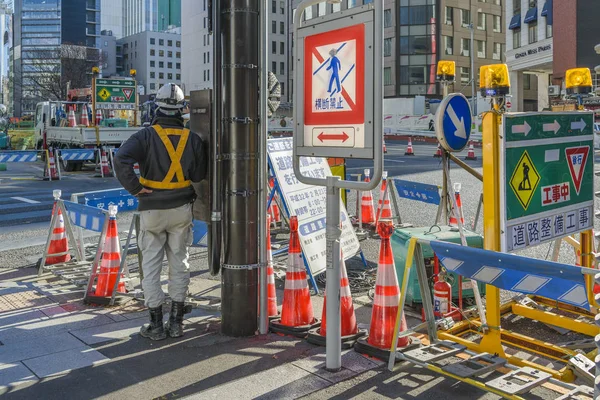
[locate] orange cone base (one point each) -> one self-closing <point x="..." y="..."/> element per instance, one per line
<point x="92" y="300"/>
<point x="407" y="153"/>
<point x="296" y="331"/>
<point x="348" y="341"/>
<point x="362" y="346"/>
<point x="471" y="158"/>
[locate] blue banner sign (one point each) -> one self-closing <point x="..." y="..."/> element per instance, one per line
<point x="417" y="191"/>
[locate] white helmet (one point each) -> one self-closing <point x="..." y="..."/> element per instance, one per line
<point x="170" y="97"/>
<point x="2" y="110"/>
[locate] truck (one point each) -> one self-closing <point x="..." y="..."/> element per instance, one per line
<point x="50" y="134"/>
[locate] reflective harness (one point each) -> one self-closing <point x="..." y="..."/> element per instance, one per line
<point x="175" y="155"/>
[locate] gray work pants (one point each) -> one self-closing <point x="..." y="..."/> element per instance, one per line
<point x="165" y="231"/>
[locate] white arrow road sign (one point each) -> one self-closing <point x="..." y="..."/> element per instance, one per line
<point x="553" y="127"/>
<point x="525" y="128"/>
<point x="459" y="124"/>
<point x="578" y="125"/>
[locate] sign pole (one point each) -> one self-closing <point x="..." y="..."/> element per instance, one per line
<point x="333" y="232"/>
<point x="445" y="192"/>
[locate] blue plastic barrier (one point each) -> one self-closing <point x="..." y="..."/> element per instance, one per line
<point x="86" y="217"/>
<point x="417" y="191"/>
<point x="18" y="156"/>
<point x="77" y="154"/>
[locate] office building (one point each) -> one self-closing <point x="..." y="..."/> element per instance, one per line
<point x="198" y="45"/>
<point x="155" y="55"/>
<point x="112" y="18"/>
<point x="151" y="15"/>
<point x="169" y="14"/>
<point x="108" y="54"/>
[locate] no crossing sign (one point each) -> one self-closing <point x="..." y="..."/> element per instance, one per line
<point x="336" y="66"/>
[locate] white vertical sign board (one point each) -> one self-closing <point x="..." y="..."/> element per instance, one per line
<point x="308" y="202"/>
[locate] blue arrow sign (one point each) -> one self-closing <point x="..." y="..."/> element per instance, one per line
<point x="453" y="122"/>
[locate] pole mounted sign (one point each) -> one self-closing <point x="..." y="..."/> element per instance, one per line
<point x="548" y="170"/>
<point x="336" y="110"/>
<point x="453" y="122"/>
<point x="115" y="94"/>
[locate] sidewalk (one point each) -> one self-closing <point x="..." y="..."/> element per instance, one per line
<point x="52" y="346"/>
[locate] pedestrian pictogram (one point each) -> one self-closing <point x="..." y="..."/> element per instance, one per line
<point x="524" y="180"/>
<point x="127" y="93"/>
<point x="104" y="94"/>
<point x="576" y="159"/>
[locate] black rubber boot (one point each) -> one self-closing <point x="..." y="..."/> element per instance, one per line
<point x="174" y="326"/>
<point x="154" y="330"/>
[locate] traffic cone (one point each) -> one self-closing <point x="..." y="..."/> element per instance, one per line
<point x="380" y="204"/>
<point x="50" y="171"/>
<point x="367" y="208"/>
<point x="104" y="164"/>
<point x="297" y="316"/>
<point x="111" y="114"/>
<point x="111" y="261"/>
<point x="471" y="153"/>
<point x="98" y="117"/>
<point x="72" y="120"/>
<point x="84" y="116"/>
<point x="438" y="152"/>
<point x="271" y="292"/>
<point x="453" y="221"/>
<point x="58" y="240"/>
<point x="136" y="169"/>
<point x="384" y="148"/>
<point x="349" y="328"/>
<point x="274" y="208"/>
<point x="409" y="149"/>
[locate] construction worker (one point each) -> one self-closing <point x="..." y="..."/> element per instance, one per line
<point x="170" y="158"/>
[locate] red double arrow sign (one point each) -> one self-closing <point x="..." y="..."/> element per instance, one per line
<point x="331" y="136"/>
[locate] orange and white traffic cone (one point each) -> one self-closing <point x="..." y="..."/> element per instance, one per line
<point x="471" y="153"/>
<point x="409" y="149"/>
<point x="384" y="148"/>
<point x="72" y="120"/>
<point x="111" y="113"/>
<point x="367" y="209"/>
<point x="58" y="241"/>
<point x="438" y="152"/>
<point x="136" y="169"/>
<point x="453" y="221"/>
<point x="111" y="260"/>
<point x="349" y="328"/>
<point x="98" y="117"/>
<point x="85" y="121"/>
<point x="384" y="176"/>
<point x="271" y="292"/>
<point x="50" y="170"/>
<point x="104" y="164"/>
<point x="297" y="316"/>
<point x="386" y="210"/>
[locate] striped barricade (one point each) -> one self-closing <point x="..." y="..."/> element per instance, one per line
<point x="77" y="154"/>
<point x="86" y="217"/>
<point x="11" y="156"/>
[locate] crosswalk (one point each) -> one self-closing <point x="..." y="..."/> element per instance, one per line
<point x="26" y="206"/>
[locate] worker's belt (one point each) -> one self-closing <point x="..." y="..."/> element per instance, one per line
<point x="175" y="171"/>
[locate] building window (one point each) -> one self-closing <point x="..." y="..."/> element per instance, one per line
<point x="273" y="26"/>
<point x="516" y="38"/>
<point x="281" y="48"/>
<point x="273" y="67"/>
<point x="416" y="15"/>
<point x="203" y="58"/>
<point x="152" y="63"/>
<point x="208" y="74"/>
<point x="178" y="77"/>
<point x="178" y="65"/>
<point x="282" y="86"/>
<point x="516" y="7"/>
<point x="169" y="54"/>
<point x="161" y="53"/>
<point x="169" y="43"/>
<point x="161" y="75"/>
<point x="549" y="31"/>
<point x="281" y="7"/>
<point x="282" y="28"/>
<point x="465" y="75"/>
<point x="387" y="76"/>
<point x="449" y="45"/>
<point x="497" y="51"/>
<point x="465" y="45"/>
<point x="498" y="2"/>
<point x="387" y="18"/>
<point x="449" y="15"/>
<point x="178" y="55"/>
<point x="415" y="45"/>
<point x="465" y="18"/>
<point x="170" y="76"/>
<point x="481" y="21"/>
<point x="481" y="44"/>
<point x="152" y="52"/>
<point x="274" y="7"/>
<point x="526" y="82"/>
<point x="273" y="47"/>
<point x="152" y="74"/>
<point x="178" y="43"/>
<point x="161" y="42"/>
<point x="161" y="64"/>
<point x="152" y="86"/>
<point x="281" y="68"/>
<point x="387" y="47"/>
<point x="170" y="65"/>
<point x="497" y="24"/>
<point x="532" y="32"/>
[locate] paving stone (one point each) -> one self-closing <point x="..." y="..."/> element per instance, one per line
<point x="105" y="333"/>
<point x="39" y="347"/>
<point x="351" y="365"/>
<point x="54" y="311"/>
<point x="14" y="374"/>
<point x="63" y="362"/>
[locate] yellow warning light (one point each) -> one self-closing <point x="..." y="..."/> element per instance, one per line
<point x="95" y="70"/>
<point x="493" y="80"/>
<point x="133" y="72"/>
<point x="446" y="71"/>
<point x="578" y="81"/>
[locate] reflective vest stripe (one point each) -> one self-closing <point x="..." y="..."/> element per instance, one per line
<point x="175" y="170"/>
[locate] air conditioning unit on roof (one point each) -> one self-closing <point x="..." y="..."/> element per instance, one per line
<point x="554" y="90"/>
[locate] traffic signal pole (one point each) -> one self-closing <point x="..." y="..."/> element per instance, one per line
<point x="239" y="160"/>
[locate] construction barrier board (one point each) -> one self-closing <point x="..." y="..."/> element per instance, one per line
<point x="77" y="154"/>
<point x="561" y="282"/>
<point x="308" y="203"/>
<point x="85" y="216"/>
<point x="10" y="156"/>
<point x="547" y="177"/>
<point x="417" y="191"/>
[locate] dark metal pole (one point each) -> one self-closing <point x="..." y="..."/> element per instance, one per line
<point x="240" y="166"/>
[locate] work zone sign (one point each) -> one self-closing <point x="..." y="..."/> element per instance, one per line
<point x="547" y="186"/>
<point x="115" y="94"/>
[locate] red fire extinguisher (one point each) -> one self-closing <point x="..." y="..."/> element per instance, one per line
<point x="442" y="297"/>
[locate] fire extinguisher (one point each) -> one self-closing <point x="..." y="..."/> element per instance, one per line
<point x="442" y="297"/>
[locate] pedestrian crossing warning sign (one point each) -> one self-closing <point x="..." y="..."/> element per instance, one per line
<point x="525" y="180"/>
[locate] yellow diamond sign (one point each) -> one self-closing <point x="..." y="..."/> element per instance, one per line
<point x="524" y="180"/>
<point x="104" y="94"/>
